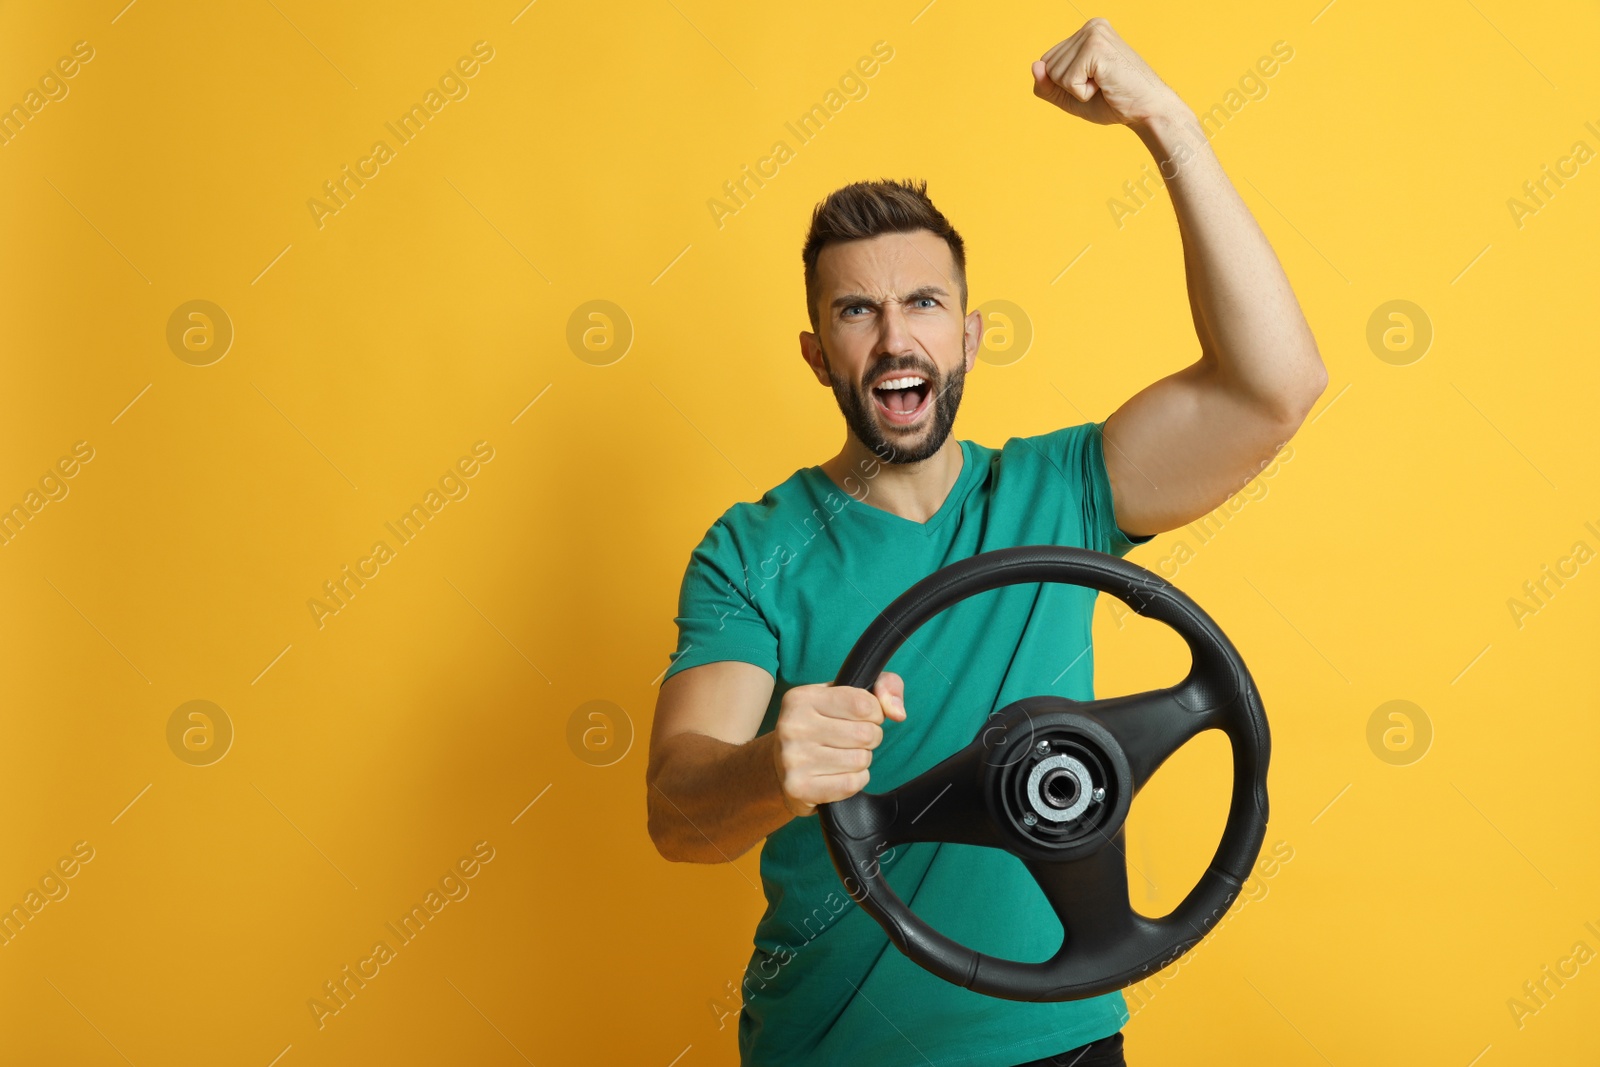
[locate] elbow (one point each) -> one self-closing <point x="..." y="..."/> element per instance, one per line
<point x="682" y="816"/>
<point x="667" y="833"/>
<point x="1315" y="381"/>
<point x="1294" y="402"/>
<point x="658" y="835"/>
<point x="674" y="849"/>
<point x="668" y="845"/>
<point x="661" y="828"/>
<point x="658" y="820"/>
<point x="678" y="843"/>
<point x="668" y="851"/>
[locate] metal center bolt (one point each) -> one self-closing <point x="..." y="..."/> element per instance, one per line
<point x="1071" y="789"/>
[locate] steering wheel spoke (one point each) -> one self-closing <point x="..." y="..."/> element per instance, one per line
<point x="1151" y="726"/>
<point x="1090" y="897"/>
<point x="943" y="803"/>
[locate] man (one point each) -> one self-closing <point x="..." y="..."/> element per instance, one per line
<point x="749" y="735"/>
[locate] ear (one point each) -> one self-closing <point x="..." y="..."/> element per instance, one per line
<point x="972" y="338"/>
<point x="811" y="352"/>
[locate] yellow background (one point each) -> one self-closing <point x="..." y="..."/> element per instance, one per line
<point x="431" y="311"/>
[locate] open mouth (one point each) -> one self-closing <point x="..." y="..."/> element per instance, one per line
<point x="903" y="406"/>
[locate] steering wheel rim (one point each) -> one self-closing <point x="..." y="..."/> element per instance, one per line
<point x="983" y="793"/>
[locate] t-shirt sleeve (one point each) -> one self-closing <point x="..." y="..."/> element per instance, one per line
<point x="1080" y="453"/>
<point x="717" y="618"/>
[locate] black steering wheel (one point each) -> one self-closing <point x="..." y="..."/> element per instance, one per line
<point x="1050" y="781"/>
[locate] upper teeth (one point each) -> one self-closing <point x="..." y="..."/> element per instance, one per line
<point x="900" y="383"/>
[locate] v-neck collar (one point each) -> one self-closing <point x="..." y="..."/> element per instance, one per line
<point x="952" y="501"/>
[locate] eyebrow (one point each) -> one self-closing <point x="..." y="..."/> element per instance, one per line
<point x="852" y="299"/>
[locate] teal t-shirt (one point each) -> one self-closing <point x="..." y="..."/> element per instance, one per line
<point x="790" y="583"/>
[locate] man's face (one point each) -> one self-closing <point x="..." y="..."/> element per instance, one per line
<point x="889" y="307"/>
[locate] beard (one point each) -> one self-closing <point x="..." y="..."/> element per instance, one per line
<point x="900" y="445"/>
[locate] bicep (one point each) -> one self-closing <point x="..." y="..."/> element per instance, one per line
<point x="726" y="700"/>
<point x="1183" y="445"/>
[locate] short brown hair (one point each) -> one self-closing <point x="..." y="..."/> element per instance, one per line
<point x="867" y="209"/>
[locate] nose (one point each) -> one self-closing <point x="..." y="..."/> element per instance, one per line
<point x="895" y="336"/>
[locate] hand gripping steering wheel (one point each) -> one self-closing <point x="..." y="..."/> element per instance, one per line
<point x="1050" y="781"/>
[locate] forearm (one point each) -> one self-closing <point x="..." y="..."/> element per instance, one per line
<point x="1252" y="332"/>
<point x="711" y="801"/>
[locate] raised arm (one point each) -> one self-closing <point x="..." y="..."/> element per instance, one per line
<point x="1185" y="443"/>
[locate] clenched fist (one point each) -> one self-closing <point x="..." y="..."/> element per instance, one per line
<point x="1095" y="75"/>
<point x="825" y="737"/>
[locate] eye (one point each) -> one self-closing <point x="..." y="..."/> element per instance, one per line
<point x="929" y="300"/>
<point x="852" y="307"/>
